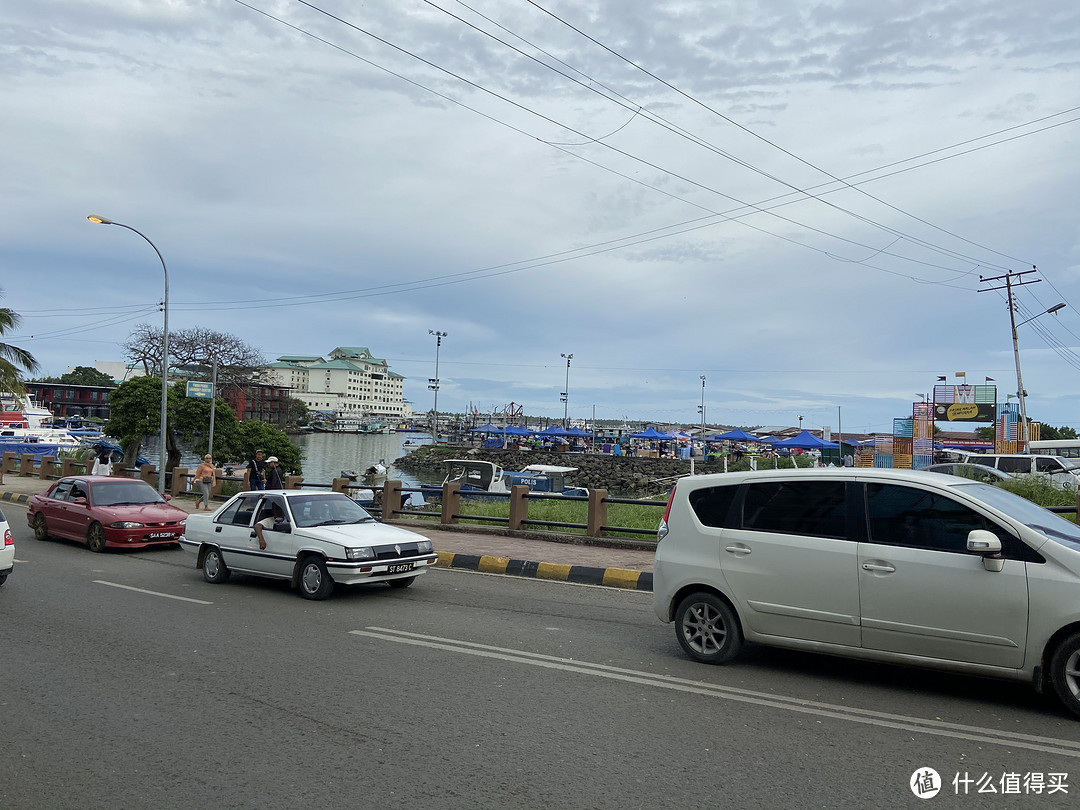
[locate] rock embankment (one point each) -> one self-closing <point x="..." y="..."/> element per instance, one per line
<point x="619" y="475"/>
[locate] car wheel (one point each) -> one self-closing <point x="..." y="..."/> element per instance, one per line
<point x="41" y="531"/>
<point x="315" y="582"/>
<point x="95" y="538"/>
<point x="708" y="629"/>
<point x="404" y="582"/>
<point x="1065" y="672"/>
<point x="213" y="566"/>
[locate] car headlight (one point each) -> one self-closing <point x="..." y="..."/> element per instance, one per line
<point x="424" y="547"/>
<point x="125" y="524"/>
<point x="361" y="553"/>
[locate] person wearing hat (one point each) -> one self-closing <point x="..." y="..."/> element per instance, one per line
<point x="273" y="474"/>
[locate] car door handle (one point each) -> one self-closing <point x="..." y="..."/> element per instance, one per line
<point x="881" y="568"/>
<point x="738" y="549"/>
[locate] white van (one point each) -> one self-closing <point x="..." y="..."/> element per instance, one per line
<point x="896" y="566"/>
<point x="1064" y="473"/>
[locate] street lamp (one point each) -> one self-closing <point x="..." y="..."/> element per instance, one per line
<point x="163" y="451"/>
<point x="566" y="394"/>
<point x="800" y="423"/>
<point x="433" y="382"/>
<point x="1020" y="392"/>
<point x="701" y="410"/>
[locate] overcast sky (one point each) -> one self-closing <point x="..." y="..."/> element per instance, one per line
<point x="795" y="200"/>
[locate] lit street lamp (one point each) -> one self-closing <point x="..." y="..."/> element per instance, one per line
<point x="1020" y="392"/>
<point x="163" y="450"/>
<point x="566" y="394"/>
<point x="433" y="382"/>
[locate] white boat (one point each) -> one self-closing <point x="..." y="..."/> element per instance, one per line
<point x="477" y="477"/>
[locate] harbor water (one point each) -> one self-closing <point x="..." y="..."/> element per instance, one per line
<point x="327" y="455"/>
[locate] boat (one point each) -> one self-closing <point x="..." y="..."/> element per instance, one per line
<point x="478" y="478"/>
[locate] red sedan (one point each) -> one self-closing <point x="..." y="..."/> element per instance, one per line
<point x="103" y="511"/>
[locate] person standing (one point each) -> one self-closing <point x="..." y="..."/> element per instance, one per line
<point x="257" y="472"/>
<point x="273" y="474"/>
<point x="205" y="478"/>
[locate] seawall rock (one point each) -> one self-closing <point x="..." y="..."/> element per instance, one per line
<point x="620" y="475"/>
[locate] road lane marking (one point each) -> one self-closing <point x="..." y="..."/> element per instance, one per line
<point x="152" y="593"/>
<point x="1060" y="747"/>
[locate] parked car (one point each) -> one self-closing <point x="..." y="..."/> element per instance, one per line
<point x="7" y="550"/>
<point x="318" y="539"/>
<point x="104" y="512"/>
<point x="1063" y="473"/>
<point x="895" y="566"/>
<point x="973" y="472"/>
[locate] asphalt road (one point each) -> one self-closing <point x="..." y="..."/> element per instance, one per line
<point x="129" y="682"/>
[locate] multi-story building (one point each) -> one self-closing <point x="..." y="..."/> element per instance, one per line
<point x="351" y="383"/>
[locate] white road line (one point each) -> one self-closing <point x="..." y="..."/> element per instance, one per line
<point x="151" y="593"/>
<point x="1067" y="748"/>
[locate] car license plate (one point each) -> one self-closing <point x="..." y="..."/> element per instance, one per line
<point x="159" y="535"/>
<point x="401" y="568"/>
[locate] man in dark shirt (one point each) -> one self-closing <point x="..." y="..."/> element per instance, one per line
<point x="257" y="471"/>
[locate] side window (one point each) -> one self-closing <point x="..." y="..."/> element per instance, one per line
<point x="817" y="508"/>
<point x="61" y="491"/>
<point x="266" y="508"/>
<point x="1015" y="465"/>
<point x="1048" y="464"/>
<point x="919" y="518"/>
<point x="712" y="505"/>
<point x="986" y="461"/>
<point x="240" y="512"/>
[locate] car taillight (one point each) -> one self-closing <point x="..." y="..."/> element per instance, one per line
<point x="8" y="539"/>
<point x="661" y="533"/>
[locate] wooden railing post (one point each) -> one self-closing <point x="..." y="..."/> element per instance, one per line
<point x="179" y="481"/>
<point x="391" y="499"/>
<point x="340" y="485"/>
<point x="451" y="502"/>
<point x="519" y="507"/>
<point x="597" y="512"/>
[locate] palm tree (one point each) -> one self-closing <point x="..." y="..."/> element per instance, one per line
<point x="12" y="358"/>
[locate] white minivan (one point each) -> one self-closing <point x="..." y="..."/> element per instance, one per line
<point x="886" y="565"/>
<point x="1063" y="473"/>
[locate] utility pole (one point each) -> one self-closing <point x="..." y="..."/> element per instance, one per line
<point x="1020" y="392"/>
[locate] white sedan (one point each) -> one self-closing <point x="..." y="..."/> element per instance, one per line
<point x="311" y="539"/>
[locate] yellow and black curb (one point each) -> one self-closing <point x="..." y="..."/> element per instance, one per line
<point x="14" y="497"/>
<point x="581" y="574"/>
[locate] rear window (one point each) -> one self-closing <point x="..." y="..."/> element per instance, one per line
<point x="712" y="505"/>
<point x="817" y="508"/>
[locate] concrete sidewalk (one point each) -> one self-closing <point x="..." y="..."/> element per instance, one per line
<point x="568" y="559"/>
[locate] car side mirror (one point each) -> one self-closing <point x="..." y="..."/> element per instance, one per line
<point x="80" y="501"/>
<point x="980" y="541"/>
<point x="166" y="496"/>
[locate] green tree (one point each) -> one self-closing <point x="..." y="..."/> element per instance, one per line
<point x="985" y="433"/>
<point x="134" y="413"/>
<point x="12" y="358"/>
<point x="256" y="435"/>
<point x="1051" y="433"/>
<point x="296" y="411"/>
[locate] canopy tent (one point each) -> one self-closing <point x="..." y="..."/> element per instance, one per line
<point x="768" y="440"/>
<point x="805" y="441"/>
<point x="553" y="432"/>
<point x="651" y="433"/>
<point x="574" y="430"/>
<point x="517" y="430"/>
<point x="488" y="428"/>
<point x="737" y="435"/>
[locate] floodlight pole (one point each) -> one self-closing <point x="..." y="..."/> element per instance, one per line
<point x="433" y="384"/>
<point x="566" y="393"/>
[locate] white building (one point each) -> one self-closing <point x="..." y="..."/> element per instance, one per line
<point x="351" y="384"/>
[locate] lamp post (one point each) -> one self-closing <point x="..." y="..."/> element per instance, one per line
<point x="701" y="409"/>
<point x="566" y="393"/>
<point x="1020" y="392"/>
<point x="800" y="423"/>
<point x="433" y="382"/>
<point x="163" y="450"/>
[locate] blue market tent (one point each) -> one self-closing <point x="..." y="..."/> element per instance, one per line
<point x="488" y="428"/>
<point x="576" y="431"/>
<point x="805" y="441"/>
<point x="736" y="435"/>
<point x="517" y="430"/>
<point x="651" y="433"/>
<point x="555" y="431"/>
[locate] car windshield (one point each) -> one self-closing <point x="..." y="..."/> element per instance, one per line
<point x="1030" y="514"/>
<point x="123" y="493"/>
<point x="326" y="509"/>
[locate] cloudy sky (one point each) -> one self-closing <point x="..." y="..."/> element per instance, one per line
<point x="799" y="201"/>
